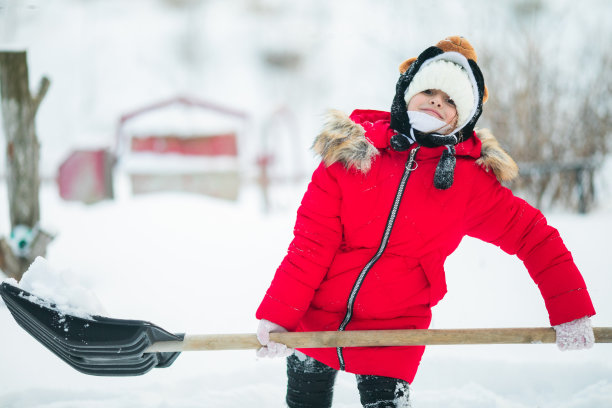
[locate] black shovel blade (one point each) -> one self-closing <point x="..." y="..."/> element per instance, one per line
<point x="97" y="345"/>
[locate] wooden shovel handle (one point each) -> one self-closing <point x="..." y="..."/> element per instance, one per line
<point x="369" y="338"/>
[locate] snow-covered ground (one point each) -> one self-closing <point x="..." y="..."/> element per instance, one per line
<point x="198" y="265"/>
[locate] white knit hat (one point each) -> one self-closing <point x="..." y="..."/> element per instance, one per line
<point x="450" y="78"/>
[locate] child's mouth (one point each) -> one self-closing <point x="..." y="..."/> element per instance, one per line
<point x="432" y="113"/>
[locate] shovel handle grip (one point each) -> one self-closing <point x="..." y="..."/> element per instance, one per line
<point x="372" y="338"/>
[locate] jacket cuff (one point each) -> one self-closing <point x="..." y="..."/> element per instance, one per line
<point x="277" y="312"/>
<point x="569" y="306"/>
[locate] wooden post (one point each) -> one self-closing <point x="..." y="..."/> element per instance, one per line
<point x="19" y="108"/>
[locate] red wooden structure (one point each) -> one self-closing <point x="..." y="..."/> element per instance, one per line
<point x="86" y="176"/>
<point x="218" y="145"/>
<point x="187" y="144"/>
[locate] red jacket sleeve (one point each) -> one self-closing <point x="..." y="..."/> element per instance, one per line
<point x="495" y="215"/>
<point x="317" y="237"/>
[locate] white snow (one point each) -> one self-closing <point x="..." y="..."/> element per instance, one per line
<point x="62" y="289"/>
<point x="185" y="121"/>
<point x="199" y="265"/>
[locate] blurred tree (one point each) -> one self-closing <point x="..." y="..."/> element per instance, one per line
<point x="555" y="119"/>
<point x="19" y="109"/>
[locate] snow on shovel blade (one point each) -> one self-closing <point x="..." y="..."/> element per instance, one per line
<point x="96" y="346"/>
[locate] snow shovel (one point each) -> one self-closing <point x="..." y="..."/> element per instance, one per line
<point x="117" y="347"/>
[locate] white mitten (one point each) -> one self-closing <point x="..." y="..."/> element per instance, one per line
<point x="271" y="348"/>
<point x="575" y="335"/>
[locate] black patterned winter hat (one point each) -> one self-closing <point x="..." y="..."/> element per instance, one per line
<point x="451" y="67"/>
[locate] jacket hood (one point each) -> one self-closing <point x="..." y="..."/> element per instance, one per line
<point x="355" y="141"/>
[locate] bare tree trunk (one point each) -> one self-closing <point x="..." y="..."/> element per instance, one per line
<point x="19" y="109"/>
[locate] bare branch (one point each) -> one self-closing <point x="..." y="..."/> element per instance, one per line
<point x="43" y="87"/>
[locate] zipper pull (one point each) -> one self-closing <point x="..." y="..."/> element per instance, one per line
<point x="411" y="164"/>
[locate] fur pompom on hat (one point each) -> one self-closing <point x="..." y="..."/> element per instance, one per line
<point x="449" y="66"/>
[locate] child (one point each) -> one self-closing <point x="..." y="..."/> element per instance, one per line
<point x="392" y="199"/>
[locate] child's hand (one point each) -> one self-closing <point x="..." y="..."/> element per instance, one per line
<point x="271" y="348"/>
<point x="575" y="335"/>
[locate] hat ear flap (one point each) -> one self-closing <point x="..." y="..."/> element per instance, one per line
<point x="406" y="64"/>
<point x="399" y="116"/>
<point x="482" y="89"/>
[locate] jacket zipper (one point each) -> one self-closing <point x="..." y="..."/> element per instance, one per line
<point x="408" y="169"/>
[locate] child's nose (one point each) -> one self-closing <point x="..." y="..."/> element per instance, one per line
<point x="436" y="100"/>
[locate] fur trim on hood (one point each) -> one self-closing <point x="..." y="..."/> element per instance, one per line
<point x="342" y="140"/>
<point x="493" y="157"/>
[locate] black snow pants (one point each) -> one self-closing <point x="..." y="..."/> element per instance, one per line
<point x="310" y="384"/>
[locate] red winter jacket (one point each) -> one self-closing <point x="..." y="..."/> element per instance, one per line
<point x="341" y="223"/>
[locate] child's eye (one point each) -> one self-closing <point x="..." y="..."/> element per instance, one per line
<point x="450" y="101"/>
<point x="428" y="92"/>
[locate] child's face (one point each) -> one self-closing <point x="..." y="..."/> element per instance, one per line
<point x="436" y="103"/>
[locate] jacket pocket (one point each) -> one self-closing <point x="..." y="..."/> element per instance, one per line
<point x="433" y="266"/>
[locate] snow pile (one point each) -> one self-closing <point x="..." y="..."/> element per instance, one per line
<point x="60" y="288"/>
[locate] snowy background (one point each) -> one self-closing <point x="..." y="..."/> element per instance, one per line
<point x="198" y="265"/>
